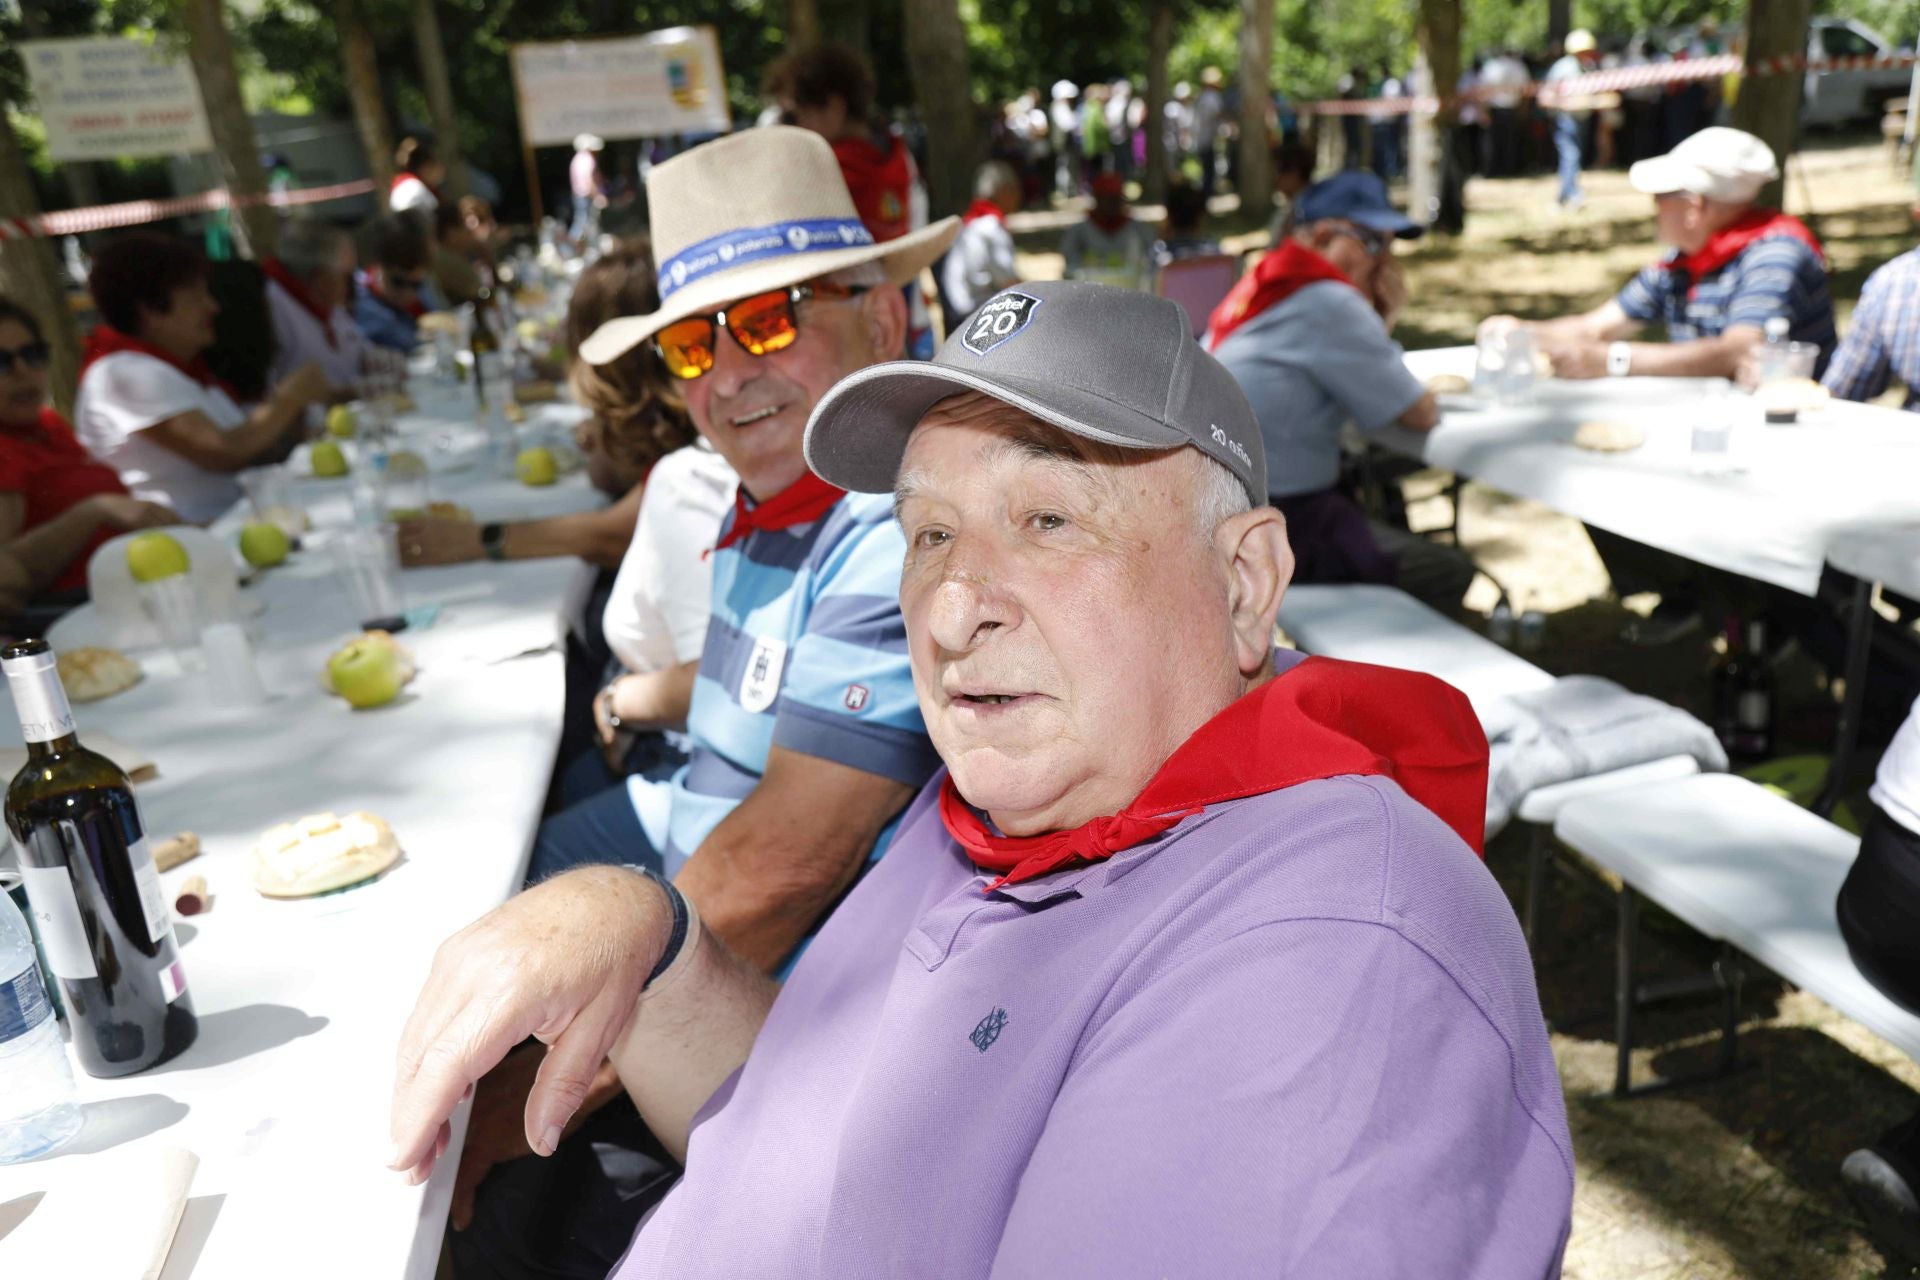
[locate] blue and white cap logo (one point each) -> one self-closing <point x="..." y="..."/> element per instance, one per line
<point x="1001" y="317"/>
<point x="751" y="244"/>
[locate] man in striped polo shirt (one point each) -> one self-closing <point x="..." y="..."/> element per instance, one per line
<point x="1735" y="271"/>
<point x="807" y="739"/>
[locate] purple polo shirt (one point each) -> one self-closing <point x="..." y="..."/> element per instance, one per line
<point x="1296" y="1035"/>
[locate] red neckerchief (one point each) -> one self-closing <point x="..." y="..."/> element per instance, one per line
<point x="806" y="499"/>
<point x="406" y="174"/>
<point x="1729" y="242"/>
<point x="983" y="209"/>
<point x="1276" y="277"/>
<point x="105" y="340"/>
<point x="414" y="309"/>
<point x="277" y="272"/>
<point x="1322" y="718"/>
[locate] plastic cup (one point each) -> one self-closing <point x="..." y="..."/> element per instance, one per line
<point x="368" y="558"/>
<point x="1712" y="450"/>
<point x="269" y="493"/>
<point x="173" y="606"/>
<point x="232" y="677"/>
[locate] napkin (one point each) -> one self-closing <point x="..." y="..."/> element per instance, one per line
<point x="141" y="1192"/>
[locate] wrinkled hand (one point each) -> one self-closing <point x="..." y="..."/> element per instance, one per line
<point x="305" y="385"/>
<point x="1746" y="374"/>
<point x="437" y="540"/>
<point x="562" y="962"/>
<point x="125" y="512"/>
<point x="1578" y="360"/>
<point x="496" y="1128"/>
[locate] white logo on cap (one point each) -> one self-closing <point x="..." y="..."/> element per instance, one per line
<point x="998" y="320"/>
<point x="726" y="253"/>
<point x="1228" y="443"/>
<point x="797" y="237"/>
<point x="679" y="274"/>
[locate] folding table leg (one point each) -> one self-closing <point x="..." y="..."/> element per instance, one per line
<point x="1847" y="738"/>
<point x="1539" y="850"/>
<point x="1626" y="946"/>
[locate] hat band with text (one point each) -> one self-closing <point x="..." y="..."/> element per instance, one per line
<point x="751" y="244"/>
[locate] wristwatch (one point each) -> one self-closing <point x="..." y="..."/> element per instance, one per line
<point x="493" y="540"/>
<point x="1619" y="359"/>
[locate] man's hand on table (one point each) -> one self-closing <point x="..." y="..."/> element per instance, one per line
<point x="1577" y="358"/>
<point x="563" y="962"/>
<point x="427" y="540"/>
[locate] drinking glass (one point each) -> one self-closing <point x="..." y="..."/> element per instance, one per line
<point x="172" y="604"/>
<point x="269" y="492"/>
<point x="368" y="558"/>
<point x="1712" y="452"/>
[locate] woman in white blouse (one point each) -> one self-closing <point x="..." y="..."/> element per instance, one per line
<point x="148" y="405"/>
<point x="416" y="185"/>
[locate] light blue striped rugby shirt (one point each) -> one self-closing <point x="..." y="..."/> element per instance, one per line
<point x="1776" y="275"/>
<point x="806" y="650"/>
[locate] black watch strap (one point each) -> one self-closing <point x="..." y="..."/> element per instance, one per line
<point x="493" y="540"/>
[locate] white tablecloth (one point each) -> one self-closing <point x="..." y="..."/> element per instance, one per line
<point x="1772" y="520"/>
<point x="284" y="1096"/>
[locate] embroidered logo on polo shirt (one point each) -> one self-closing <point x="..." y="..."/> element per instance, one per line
<point x="856" y="697"/>
<point x="989" y="1030"/>
<point x="1001" y="318"/>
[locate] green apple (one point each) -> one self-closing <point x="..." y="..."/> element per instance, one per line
<point x="328" y="461"/>
<point x="153" y="556"/>
<point x="341" y="424"/>
<point x="536" y="466"/>
<point x="367" y="672"/>
<point x="264" y="545"/>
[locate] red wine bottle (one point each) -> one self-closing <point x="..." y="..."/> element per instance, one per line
<point x="92" y="885"/>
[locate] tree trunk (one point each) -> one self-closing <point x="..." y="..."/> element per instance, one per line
<point x="1159" y="46"/>
<point x="1256" y="99"/>
<point x="1559" y="19"/>
<point x="432" y="54"/>
<point x="255" y="228"/>
<point x="803" y="24"/>
<point x="30" y="272"/>
<point x="1769" y="106"/>
<point x="942" y="84"/>
<point x="1439" y="37"/>
<point x="363" y="87"/>
<point x="850" y="22"/>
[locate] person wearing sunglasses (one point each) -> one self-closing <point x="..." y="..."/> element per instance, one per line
<point x="149" y="405"/>
<point x="806" y="739"/>
<point x="391" y="293"/>
<point x="1308" y="334"/>
<point x="57" y="502"/>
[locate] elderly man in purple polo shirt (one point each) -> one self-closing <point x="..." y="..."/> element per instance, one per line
<point x="1184" y="966"/>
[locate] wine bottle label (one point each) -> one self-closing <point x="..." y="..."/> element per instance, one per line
<point x="1754" y="710"/>
<point x="56" y="916"/>
<point x="23" y="1004"/>
<point x="173" y="982"/>
<point x="153" y="902"/>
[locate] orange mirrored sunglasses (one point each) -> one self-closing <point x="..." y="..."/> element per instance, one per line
<point x="763" y="324"/>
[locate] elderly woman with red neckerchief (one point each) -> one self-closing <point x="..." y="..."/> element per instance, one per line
<point x="57" y="502"/>
<point x="150" y="407"/>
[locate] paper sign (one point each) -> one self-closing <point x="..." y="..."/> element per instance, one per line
<point x="649" y="86"/>
<point x="104" y="97"/>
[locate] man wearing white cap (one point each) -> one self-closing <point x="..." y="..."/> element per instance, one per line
<point x="589" y="190"/>
<point x="807" y="739"/>
<point x="1734" y="267"/>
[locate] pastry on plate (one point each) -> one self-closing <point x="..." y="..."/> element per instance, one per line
<point x="1449" y="384"/>
<point x="440" y="322"/>
<point x="322" y="852"/>
<point x="1609" y="437"/>
<point x="92" y="674"/>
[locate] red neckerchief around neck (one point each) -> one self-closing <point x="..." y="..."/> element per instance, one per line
<point x="1323" y="718"/>
<point x="277" y="272"/>
<point x="1731" y="241"/>
<point x="983" y="209"/>
<point x="1278" y="275"/>
<point x="803" y="501"/>
<point x="105" y="340"/>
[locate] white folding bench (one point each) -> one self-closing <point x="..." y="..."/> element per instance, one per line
<point x="1366" y="622"/>
<point x="1749" y="869"/>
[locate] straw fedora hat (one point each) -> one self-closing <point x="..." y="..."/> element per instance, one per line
<point x="758" y="210"/>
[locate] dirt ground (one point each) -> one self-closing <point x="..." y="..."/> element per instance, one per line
<point x="1738" y="1178"/>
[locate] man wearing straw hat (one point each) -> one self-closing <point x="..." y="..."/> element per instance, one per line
<point x="807" y="739"/>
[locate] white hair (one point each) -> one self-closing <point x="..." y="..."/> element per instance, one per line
<point x="1221" y="495"/>
<point x="309" y="246"/>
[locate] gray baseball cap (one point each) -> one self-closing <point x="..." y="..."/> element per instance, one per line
<point x="1108" y="364"/>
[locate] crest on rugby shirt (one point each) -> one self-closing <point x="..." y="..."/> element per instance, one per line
<point x="1001" y="317"/>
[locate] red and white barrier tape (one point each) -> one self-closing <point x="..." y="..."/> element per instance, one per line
<point x="1612" y="80"/>
<point x="100" y="217"/>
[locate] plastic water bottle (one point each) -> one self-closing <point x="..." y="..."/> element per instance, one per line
<point x="37" y="1107"/>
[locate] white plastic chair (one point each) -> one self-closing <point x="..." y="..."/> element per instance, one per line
<point x="1198" y="284"/>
